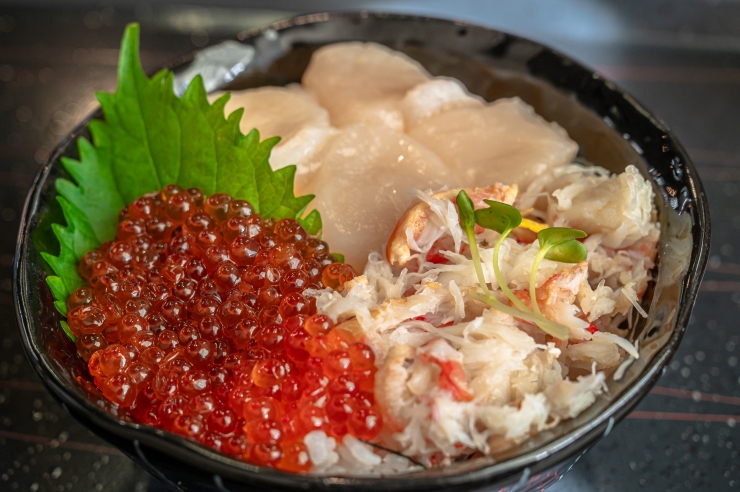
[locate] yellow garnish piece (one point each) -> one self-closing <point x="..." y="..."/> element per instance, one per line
<point x="532" y="225"/>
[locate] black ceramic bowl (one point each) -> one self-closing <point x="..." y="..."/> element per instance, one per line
<point x="612" y="129"/>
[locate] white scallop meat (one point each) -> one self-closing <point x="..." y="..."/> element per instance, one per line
<point x="362" y="82"/>
<point x="291" y="113"/>
<point x="504" y="141"/>
<point x="362" y="186"/>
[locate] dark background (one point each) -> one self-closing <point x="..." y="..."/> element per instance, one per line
<point x="680" y="58"/>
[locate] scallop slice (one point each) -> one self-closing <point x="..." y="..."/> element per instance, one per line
<point x="277" y="111"/>
<point x="290" y="113"/>
<point x="300" y="151"/>
<point x="504" y="141"/>
<point x="362" y="82"/>
<point x="436" y="96"/>
<point x="362" y="186"/>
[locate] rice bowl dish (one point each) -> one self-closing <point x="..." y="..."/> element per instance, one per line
<point x="455" y="378"/>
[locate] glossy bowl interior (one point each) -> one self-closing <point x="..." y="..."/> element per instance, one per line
<point x="612" y="129"/>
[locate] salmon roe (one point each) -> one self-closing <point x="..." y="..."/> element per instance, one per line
<point x="194" y="319"/>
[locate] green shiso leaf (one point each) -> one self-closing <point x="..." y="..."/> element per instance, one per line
<point x="69" y="333"/>
<point x="312" y="224"/>
<point x="150" y="138"/>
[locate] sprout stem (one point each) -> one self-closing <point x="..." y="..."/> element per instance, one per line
<point x="500" y="278"/>
<point x="475" y="254"/>
<point x="533" y="279"/>
<point x="555" y="329"/>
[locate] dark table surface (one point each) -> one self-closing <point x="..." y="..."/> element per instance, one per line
<point x="680" y="58"/>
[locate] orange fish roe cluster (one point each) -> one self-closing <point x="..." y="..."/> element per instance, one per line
<point x="195" y="321"/>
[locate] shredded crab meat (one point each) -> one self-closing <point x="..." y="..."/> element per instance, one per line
<point x="455" y="376"/>
<point x="435" y="215"/>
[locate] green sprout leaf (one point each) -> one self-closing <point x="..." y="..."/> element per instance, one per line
<point x="557" y="244"/>
<point x="554" y="236"/>
<point x="466" y="209"/>
<point x="498" y="217"/>
<point x="501" y="218"/>
<point x="150" y="138"/>
<point x="568" y="252"/>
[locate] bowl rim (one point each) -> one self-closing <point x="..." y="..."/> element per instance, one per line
<point x="522" y="465"/>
